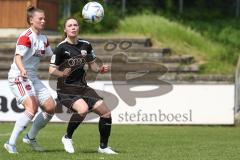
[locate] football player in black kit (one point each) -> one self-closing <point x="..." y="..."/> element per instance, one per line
<point x="67" y="64"/>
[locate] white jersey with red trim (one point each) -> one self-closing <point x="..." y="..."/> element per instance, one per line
<point x="31" y="47"/>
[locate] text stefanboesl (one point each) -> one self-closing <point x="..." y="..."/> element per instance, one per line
<point x="158" y="116"/>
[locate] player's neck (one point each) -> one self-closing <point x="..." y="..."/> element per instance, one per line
<point x="72" y="40"/>
<point x="36" y="30"/>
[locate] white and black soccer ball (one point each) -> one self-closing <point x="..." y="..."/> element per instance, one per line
<point x="93" y="12"/>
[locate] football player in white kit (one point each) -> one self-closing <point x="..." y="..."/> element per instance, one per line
<point x="25" y="85"/>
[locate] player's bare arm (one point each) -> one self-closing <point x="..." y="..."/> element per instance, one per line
<point x="18" y="60"/>
<point x="101" y="69"/>
<point x="56" y="72"/>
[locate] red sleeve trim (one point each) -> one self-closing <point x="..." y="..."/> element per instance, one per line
<point x="25" y="41"/>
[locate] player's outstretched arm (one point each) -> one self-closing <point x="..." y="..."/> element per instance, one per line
<point x="100" y="69"/>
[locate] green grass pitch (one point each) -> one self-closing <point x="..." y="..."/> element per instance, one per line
<point x="140" y="142"/>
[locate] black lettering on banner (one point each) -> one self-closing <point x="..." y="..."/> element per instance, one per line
<point x="3" y="104"/>
<point x="121" y="118"/>
<point x="15" y="106"/>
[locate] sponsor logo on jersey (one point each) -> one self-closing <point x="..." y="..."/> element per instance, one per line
<point x="28" y="87"/>
<point x="76" y="61"/>
<point x="83" y="53"/>
<point x="39" y="53"/>
<point x="53" y="59"/>
<point x="67" y="52"/>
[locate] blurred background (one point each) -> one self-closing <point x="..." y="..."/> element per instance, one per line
<point x="206" y="30"/>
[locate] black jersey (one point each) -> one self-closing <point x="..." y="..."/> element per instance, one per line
<point x="73" y="56"/>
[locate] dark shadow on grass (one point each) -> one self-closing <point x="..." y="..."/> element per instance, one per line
<point x="90" y="151"/>
<point x="53" y="150"/>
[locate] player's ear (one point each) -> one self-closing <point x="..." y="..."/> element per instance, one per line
<point x="31" y="20"/>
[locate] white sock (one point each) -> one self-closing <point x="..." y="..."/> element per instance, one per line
<point x="20" y="125"/>
<point x="41" y="120"/>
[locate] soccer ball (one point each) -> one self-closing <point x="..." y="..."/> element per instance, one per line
<point x="93" y="12"/>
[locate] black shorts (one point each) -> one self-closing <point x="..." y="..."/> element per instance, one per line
<point x="67" y="97"/>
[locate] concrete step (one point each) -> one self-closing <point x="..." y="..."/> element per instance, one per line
<point x="9" y="57"/>
<point x="102" y="41"/>
<point x="183" y="59"/>
<point x="108" y="76"/>
<point x="100" y="51"/>
<point x="129" y="67"/>
<point x="95" y="41"/>
<point x="7" y="51"/>
<point x="94" y="76"/>
<point x="154" y="67"/>
<point x="170" y="77"/>
<point x="133" y="54"/>
<point x="140" y="51"/>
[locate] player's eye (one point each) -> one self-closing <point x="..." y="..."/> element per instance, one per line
<point x="42" y="19"/>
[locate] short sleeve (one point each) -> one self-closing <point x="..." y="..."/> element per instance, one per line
<point x="56" y="58"/>
<point x="24" y="41"/>
<point x="49" y="51"/>
<point x="91" y="56"/>
<point x="23" y="45"/>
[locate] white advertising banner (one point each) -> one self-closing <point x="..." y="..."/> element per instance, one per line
<point x="141" y="104"/>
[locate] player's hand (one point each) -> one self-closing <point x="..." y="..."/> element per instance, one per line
<point x="103" y="69"/>
<point x="24" y="74"/>
<point x="66" y="72"/>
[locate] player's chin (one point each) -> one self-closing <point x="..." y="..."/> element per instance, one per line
<point x="72" y="35"/>
<point x="42" y="25"/>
